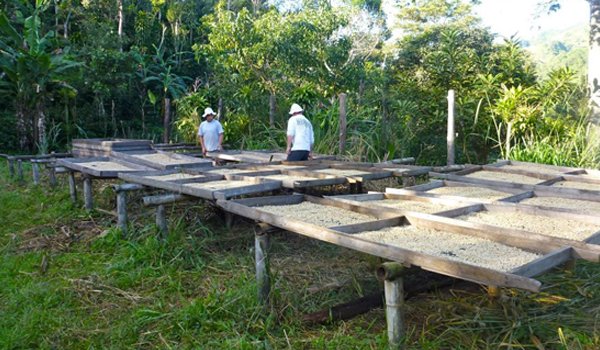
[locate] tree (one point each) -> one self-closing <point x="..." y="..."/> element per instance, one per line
<point x="34" y="69"/>
<point x="593" y="56"/>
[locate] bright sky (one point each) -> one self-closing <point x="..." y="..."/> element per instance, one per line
<point x="507" y="17"/>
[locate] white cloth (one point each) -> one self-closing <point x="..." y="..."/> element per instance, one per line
<point x="301" y="131"/>
<point x="210" y="131"/>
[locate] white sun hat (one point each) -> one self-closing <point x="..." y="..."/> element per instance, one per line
<point x="295" y="109"/>
<point x="208" y="111"/>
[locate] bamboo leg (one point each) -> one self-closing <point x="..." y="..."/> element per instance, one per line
<point x="161" y="220"/>
<point x="11" y="167"/>
<point x="52" y="176"/>
<point x="122" y="211"/>
<point x="229" y="217"/>
<point x="72" y="187"/>
<point x="391" y="273"/>
<point x="261" y="248"/>
<point x="87" y="193"/>
<point x="35" y="170"/>
<point x="20" y="169"/>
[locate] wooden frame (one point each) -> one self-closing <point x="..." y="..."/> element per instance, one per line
<point x="421" y="190"/>
<point x="134" y="157"/>
<point x="342" y="236"/>
<point x="79" y="164"/>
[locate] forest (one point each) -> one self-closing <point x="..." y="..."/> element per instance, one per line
<point x="143" y="69"/>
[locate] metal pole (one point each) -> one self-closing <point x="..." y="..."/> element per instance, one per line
<point x="450" y="135"/>
<point x="87" y="193"/>
<point x="261" y="249"/>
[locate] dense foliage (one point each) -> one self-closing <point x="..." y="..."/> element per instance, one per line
<point x="143" y="69"/>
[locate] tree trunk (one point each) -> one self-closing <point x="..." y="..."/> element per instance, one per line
<point x="593" y="59"/>
<point x="272" y="109"/>
<point x="221" y="110"/>
<point x="120" y="25"/>
<point x="22" y="126"/>
<point x="167" y="120"/>
<point x="41" y="127"/>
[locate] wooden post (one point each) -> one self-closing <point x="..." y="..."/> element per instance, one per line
<point x="161" y="220"/>
<point x="11" y="166"/>
<point x="229" y="217"/>
<point x="52" y="175"/>
<point x="272" y="110"/>
<point x="122" y="211"/>
<point x="261" y="249"/>
<point x="87" y="193"/>
<point x="450" y="135"/>
<point x="343" y="124"/>
<point x="35" y="170"/>
<point x="20" y="169"/>
<point x="391" y="273"/>
<point x="72" y="187"/>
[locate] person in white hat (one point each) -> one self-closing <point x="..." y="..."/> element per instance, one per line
<point x="210" y="132"/>
<point x="300" y="135"/>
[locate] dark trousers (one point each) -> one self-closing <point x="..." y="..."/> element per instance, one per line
<point x="297" y="155"/>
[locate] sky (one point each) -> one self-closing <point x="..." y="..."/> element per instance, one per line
<point x="509" y="17"/>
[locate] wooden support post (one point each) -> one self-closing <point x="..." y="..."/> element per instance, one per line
<point x="229" y="218"/>
<point x="343" y="123"/>
<point x="161" y="221"/>
<point x="261" y="250"/>
<point x="450" y="132"/>
<point x="72" y="187"/>
<point x="122" y="220"/>
<point x="87" y="193"/>
<point x="35" y="170"/>
<point x="11" y="166"/>
<point x="391" y="273"/>
<point x="52" y="175"/>
<point x="20" y="169"/>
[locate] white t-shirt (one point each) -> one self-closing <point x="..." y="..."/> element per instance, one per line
<point x="210" y="131"/>
<point x="301" y="131"/>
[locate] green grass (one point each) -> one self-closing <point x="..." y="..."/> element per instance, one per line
<point x="92" y="288"/>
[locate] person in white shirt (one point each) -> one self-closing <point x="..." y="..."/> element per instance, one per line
<point x="300" y="135"/>
<point x="210" y="132"/>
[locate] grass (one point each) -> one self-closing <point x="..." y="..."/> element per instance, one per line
<point x="69" y="280"/>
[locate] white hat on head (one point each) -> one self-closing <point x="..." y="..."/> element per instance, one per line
<point x="295" y="109"/>
<point x="208" y="111"/>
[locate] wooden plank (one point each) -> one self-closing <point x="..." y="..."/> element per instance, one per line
<point x="518" y="197"/>
<point x="435" y="264"/>
<point x="271" y="200"/>
<point x="418" y="188"/>
<point x="564" y="213"/>
<point x="178" y="160"/>
<point x="530" y="173"/>
<point x="547" y="166"/>
<point x="371" y="225"/>
<point x="593" y="239"/>
<point x="482" y="182"/>
<point x="79" y="164"/>
<point x="544" y="263"/>
<point x="527" y="240"/>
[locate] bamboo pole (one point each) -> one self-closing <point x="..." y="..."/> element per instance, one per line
<point x="20" y="169"/>
<point x="52" y="175"/>
<point x="391" y="273"/>
<point x="261" y="248"/>
<point x="87" y="193"/>
<point x="11" y="166"/>
<point x="161" y="220"/>
<point x="450" y="135"/>
<point x="35" y="170"/>
<point x="343" y="123"/>
<point x="72" y="187"/>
